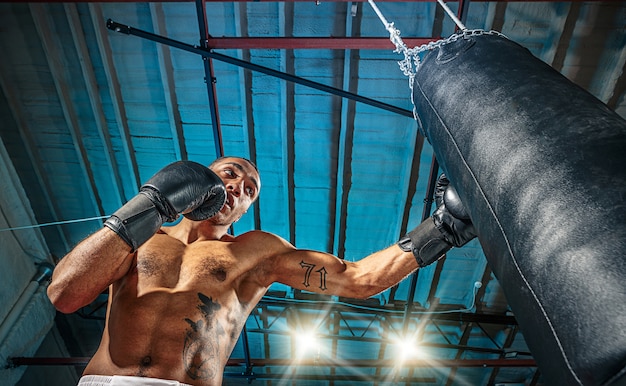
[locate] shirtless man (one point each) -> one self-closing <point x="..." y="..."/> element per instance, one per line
<point x="179" y="296"/>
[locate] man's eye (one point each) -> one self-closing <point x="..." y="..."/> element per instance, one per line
<point x="250" y="191"/>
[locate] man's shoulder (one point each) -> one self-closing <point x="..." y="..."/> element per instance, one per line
<point x="257" y="235"/>
<point x="265" y="241"/>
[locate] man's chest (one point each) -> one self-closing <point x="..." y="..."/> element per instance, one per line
<point x="198" y="265"/>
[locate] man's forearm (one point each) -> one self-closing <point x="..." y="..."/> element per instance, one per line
<point x="382" y="270"/>
<point x="88" y="269"/>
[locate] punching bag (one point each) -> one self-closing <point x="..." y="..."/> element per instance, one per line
<point x="541" y="167"/>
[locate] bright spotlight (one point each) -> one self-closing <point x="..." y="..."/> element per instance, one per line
<point x="407" y="350"/>
<point x="306" y="342"/>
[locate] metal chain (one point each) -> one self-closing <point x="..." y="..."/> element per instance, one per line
<point x="411" y="62"/>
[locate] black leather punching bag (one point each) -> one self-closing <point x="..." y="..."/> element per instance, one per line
<point x="541" y="166"/>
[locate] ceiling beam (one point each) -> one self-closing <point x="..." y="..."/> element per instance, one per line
<point x="288" y="118"/>
<point x="241" y="25"/>
<point x="169" y="88"/>
<point x="15" y="101"/>
<point x="608" y="85"/>
<point x="620" y="84"/>
<point x="343" y="167"/>
<point x="115" y="92"/>
<point x="565" y="39"/>
<point x="51" y="44"/>
<point x="91" y="84"/>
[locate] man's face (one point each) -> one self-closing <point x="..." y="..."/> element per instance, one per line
<point x="242" y="187"/>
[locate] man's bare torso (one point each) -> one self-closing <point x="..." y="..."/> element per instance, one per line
<point x="178" y="313"/>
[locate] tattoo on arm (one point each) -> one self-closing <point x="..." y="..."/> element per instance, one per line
<point x="322" y="272"/>
<point x="307" y="275"/>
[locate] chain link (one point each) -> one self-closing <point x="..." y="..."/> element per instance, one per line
<point x="411" y="62"/>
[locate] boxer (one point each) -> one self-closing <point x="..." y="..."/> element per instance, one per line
<point x="179" y="295"/>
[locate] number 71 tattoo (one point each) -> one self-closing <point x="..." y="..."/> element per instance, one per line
<point x="307" y="275"/>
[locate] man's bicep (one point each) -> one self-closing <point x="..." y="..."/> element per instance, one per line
<point x="310" y="270"/>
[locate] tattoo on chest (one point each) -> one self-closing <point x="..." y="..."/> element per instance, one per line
<point x="201" y="349"/>
<point x="307" y="275"/>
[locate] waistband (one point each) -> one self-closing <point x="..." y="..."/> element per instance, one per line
<point x="123" y="380"/>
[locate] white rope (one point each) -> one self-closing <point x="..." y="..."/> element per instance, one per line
<point x="411" y="62"/>
<point x="452" y="15"/>
<point x="394" y="33"/>
<point x="52" y="223"/>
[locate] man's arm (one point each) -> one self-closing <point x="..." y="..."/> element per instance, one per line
<point x="181" y="187"/>
<point x="449" y="226"/>
<point x="327" y="274"/>
<point x="89" y="269"/>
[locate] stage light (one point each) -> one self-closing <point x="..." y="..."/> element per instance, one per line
<point x="306" y="342"/>
<point x="407" y="350"/>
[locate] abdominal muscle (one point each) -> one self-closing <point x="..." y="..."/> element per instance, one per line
<point x="184" y="333"/>
<point x="183" y="336"/>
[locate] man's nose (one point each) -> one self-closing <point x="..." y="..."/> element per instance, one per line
<point x="235" y="188"/>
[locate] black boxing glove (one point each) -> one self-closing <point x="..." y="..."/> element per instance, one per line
<point x="181" y="187"/>
<point x="449" y="226"/>
<point x="450" y="217"/>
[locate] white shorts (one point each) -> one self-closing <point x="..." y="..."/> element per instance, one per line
<point x="123" y="380"/>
